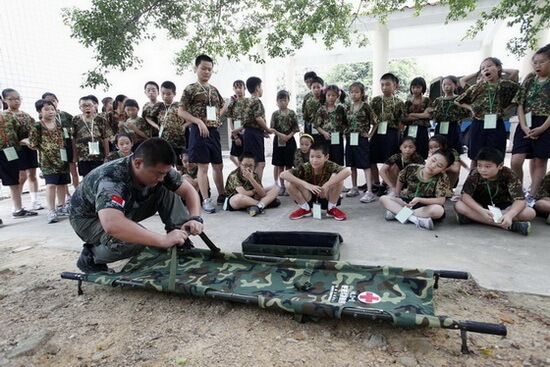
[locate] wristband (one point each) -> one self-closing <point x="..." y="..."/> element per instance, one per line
<point x="196" y="218"/>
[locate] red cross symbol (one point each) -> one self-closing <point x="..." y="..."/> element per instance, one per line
<point x="369" y="297"/>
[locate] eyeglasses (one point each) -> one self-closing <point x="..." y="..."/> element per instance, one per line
<point x="251" y="166"/>
<point x="86" y="105"/>
<point x="539" y="62"/>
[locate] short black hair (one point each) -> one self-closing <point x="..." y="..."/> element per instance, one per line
<point x="447" y="154"/>
<point x="420" y="82"/>
<point x="89" y="97"/>
<point x="202" y="58"/>
<point x="390" y="76"/>
<point x="106" y="100"/>
<point x="545" y="50"/>
<point x="239" y="83"/>
<point x="151" y="83"/>
<point x="155" y="151"/>
<point x="41" y="103"/>
<point x="253" y="83"/>
<point x="318" y="80"/>
<point x="49" y="94"/>
<point x="441" y="140"/>
<point x="309" y="75"/>
<point x="169" y="85"/>
<point x="359" y="86"/>
<point x="93" y="98"/>
<point x="283" y="94"/>
<point x="123" y="135"/>
<point x="247" y="154"/>
<point x="131" y="103"/>
<point x="319" y="146"/>
<point x="490" y="155"/>
<point x="408" y="138"/>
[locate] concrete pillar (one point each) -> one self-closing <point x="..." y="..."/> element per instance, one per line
<point x="290" y="82"/>
<point x="380" y="56"/>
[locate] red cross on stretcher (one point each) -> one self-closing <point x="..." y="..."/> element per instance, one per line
<point x="369" y="297"/>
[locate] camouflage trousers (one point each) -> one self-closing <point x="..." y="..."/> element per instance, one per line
<point x="106" y="248"/>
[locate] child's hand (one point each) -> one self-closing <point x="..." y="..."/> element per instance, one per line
<point x="203" y="130"/>
<point x="326" y="135"/>
<point x="314" y="189"/>
<point x="248" y="174"/>
<point x="506" y="222"/>
<point x="487" y="215"/>
<point x="413" y="202"/>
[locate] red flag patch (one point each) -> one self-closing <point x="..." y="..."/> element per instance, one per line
<point x="369" y="297"/>
<point x="117" y="200"/>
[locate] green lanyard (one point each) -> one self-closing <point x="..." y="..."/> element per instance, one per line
<point x="492" y="96"/>
<point x="446" y="111"/>
<point x="491" y="196"/>
<point x="535" y="90"/>
<point x="425" y="188"/>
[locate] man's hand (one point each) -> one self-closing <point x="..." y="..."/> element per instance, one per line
<point x="174" y="238"/>
<point x="193" y="227"/>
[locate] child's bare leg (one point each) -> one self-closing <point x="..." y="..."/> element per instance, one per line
<point x="433" y="211"/>
<point x="299" y="194"/>
<point x="473" y="214"/>
<point x="74" y="175"/>
<point x="218" y="179"/>
<point x="354" y="177"/>
<point x="543" y="205"/>
<point x="202" y="177"/>
<point x="60" y="191"/>
<point x="368" y="179"/>
<point x="50" y="196"/>
<point x="374" y="173"/>
<point x="537" y="174"/>
<point x="234" y="159"/>
<point x="260" y="169"/>
<point x="272" y="193"/>
<point x="393" y="204"/>
<point x="516" y="164"/>
<point x="334" y="192"/>
<point x="15" y="193"/>
<point x="240" y="201"/>
<point x="525" y="215"/>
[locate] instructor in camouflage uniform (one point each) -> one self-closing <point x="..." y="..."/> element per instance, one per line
<point x="108" y="204"/>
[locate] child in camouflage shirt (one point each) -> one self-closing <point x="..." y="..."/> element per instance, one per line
<point x="311" y="105"/>
<point x="151" y="90"/>
<point x="397" y="162"/>
<point x="542" y="205"/>
<point x="301" y="155"/>
<point x="235" y="116"/>
<point x="135" y="126"/>
<point x="492" y="195"/>
<point x="331" y="122"/>
<point x="123" y="144"/>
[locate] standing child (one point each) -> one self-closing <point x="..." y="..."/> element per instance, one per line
<point x="542" y="204"/>
<point x="492" y="195"/>
<point x="311" y="105"/>
<point x="389" y="111"/>
<point x="398" y="162"/>
<point x="255" y="125"/>
<point x="107" y="105"/>
<point x="427" y="188"/>
<point x="301" y="155"/>
<point x="533" y="137"/>
<point x="487" y="101"/>
<point x="331" y="122"/>
<point x="235" y="117"/>
<point x="308" y="79"/>
<point x="47" y="137"/>
<point x="361" y="126"/>
<point x="284" y="124"/>
<point x="417" y="118"/>
<point x="319" y="182"/>
<point x="151" y="90"/>
<point x="28" y="158"/>
<point x="200" y="105"/>
<point x="123" y="144"/>
<point x="135" y="126"/>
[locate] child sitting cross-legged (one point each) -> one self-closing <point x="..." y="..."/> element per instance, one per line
<point x="427" y="188"/>
<point x="319" y="180"/>
<point x="492" y="194"/>
<point x="244" y="189"/>
<point x="542" y="204"/>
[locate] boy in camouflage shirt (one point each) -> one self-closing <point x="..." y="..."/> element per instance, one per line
<point x="235" y="117"/>
<point x="542" y="205"/>
<point x="151" y="90"/>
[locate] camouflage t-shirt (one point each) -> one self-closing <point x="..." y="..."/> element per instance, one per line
<point x="82" y="135"/>
<point x="486" y="98"/>
<point x="331" y="121"/>
<point x="113" y="118"/>
<point x="147" y="112"/>
<point x="193" y="172"/>
<point x="236" y="109"/>
<point x="11" y="132"/>
<point x="49" y="142"/>
<point x="304" y="102"/>
<point x="504" y="188"/>
<point x="310" y="108"/>
<point x="436" y="187"/>
<point x="534" y="96"/>
<point x="300" y="158"/>
<point x="196" y="97"/>
<point x="113" y="186"/>
<point x="236" y="179"/>
<point x="64" y="119"/>
<point x="390" y="109"/>
<point x="444" y="110"/>
<point x="360" y="120"/>
<point x="112" y="156"/>
<point x="24" y="120"/>
<point x="285" y="123"/>
<point x="139" y="123"/>
<point x="170" y="123"/>
<point x="544" y="189"/>
<point x="401" y="162"/>
<point x="411" y="107"/>
<point x="254" y="110"/>
<point x="305" y="172"/>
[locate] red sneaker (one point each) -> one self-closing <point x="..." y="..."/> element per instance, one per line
<point x="300" y="213"/>
<point x="336" y="214"/>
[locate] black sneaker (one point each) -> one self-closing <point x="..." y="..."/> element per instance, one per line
<point x="523" y="228"/>
<point x="23" y="213"/>
<point x="254" y="210"/>
<point x="221" y="199"/>
<point x="462" y="219"/>
<point x="274" y="204"/>
<point x="87" y="264"/>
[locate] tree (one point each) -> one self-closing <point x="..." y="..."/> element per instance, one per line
<point x="234" y="28"/>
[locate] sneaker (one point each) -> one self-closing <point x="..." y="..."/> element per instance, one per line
<point x="87" y="264"/>
<point x="52" y="217"/>
<point x="23" y="213"/>
<point x="254" y="210"/>
<point x="382" y="190"/>
<point x="68" y="200"/>
<point x="367" y="198"/>
<point x="274" y="204"/>
<point x="391" y="194"/>
<point x="220" y="200"/>
<point x="345" y="189"/>
<point x="462" y="219"/>
<point x="62" y="211"/>
<point x="523" y="228"/>
<point x="208" y="206"/>
<point x="300" y="213"/>
<point x="352" y="193"/>
<point x="389" y="215"/>
<point x="425" y="223"/>
<point x="456" y="197"/>
<point x="530" y="201"/>
<point x="282" y="191"/>
<point x="36" y="205"/>
<point x="363" y="187"/>
<point x="336" y="214"/>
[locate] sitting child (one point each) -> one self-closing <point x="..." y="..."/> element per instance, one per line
<point x="492" y="195"/>
<point x="542" y="205"/>
<point x="189" y="170"/>
<point x="302" y="153"/>
<point x="123" y="144"/>
<point x="397" y="162"/>
<point x="438" y="142"/>
<point x="244" y="189"/>
<point x="320" y="181"/>
<point x="428" y="186"/>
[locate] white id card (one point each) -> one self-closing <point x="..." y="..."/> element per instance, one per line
<point x="316" y="210"/>
<point x="226" y="203"/>
<point x="382" y="128"/>
<point x="528" y="119"/>
<point x="237" y="124"/>
<point x="444" y="128"/>
<point x="161" y="130"/>
<point x="65" y="133"/>
<point x="10" y="153"/>
<point x="413" y="130"/>
<point x="490" y="121"/>
<point x="354" y="139"/>
<point x="404" y="214"/>
<point x="281" y="143"/>
<point x="334" y="138"/>
<point x="497" y="213"/>
<point x="93" y="147"/>
<point x="211" y="113"/>
<point x="63" y="154"/>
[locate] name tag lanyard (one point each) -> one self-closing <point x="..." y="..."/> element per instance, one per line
<point x="90" y="129"/>
<point x="535" y="90"/>
<point x="423" y="191"/>
<point x="491" y="196"/>
<point x="492" y="96"/>
<point x="318" y="183"/>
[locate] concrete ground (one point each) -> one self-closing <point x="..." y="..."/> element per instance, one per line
<point x="497" y="259"/>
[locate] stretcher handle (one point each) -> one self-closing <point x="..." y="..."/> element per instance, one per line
<point x="452" y="274"/>
<point x="215" y="249"/>
<point x="483" y="327"/>
<point x="71" y="276"/>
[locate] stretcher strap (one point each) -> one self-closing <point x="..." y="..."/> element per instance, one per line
<point x="173" y="268"/>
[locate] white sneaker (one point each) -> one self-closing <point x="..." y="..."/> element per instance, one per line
<point x="352" y="193"/>
<point x="367" y="198"/>
<point x="62" y="211"/>
<point x="391" y="194"/>
<point x="425" y="223"/>
<point x="389" y="215"/>
<point x="208" y="207"/>
<point x="52" y="217"/>
<point x="530" y="201"/>
<point x="36" y="205"/>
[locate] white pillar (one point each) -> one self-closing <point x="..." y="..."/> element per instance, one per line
<point x="290" y="82"/>
<point x="380" y="56"/>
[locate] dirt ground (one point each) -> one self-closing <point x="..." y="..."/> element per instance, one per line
<point x="45" y="323"/>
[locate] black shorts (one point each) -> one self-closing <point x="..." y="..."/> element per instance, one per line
<point x="420" y="205"/>
<point x="538" y="148"/>
<point x="486" y="138"/>
<point x="335" y="151"/>
<point x="358" y="156"/>
<point x="227" y="204"/>
<point x="69" y="148"/>
<point x="9" y="170"/>
<point x="324" y="202"/>
<point x="236" y="150"/>
<point x="28" y="158"/>
<point x="205" y="150"/>
<point x="283" y="156"/>
<point x="254" y="143"/>
<point x="422" y="137"/>
<point x="85" y="167"/>
<point x="381" y="147"/>
<point x="58" y="179"/>
<point x="454" y="136"/>
<point x="502" y="206"/>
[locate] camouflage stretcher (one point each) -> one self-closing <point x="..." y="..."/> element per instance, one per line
<point x="305" y="287"/>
